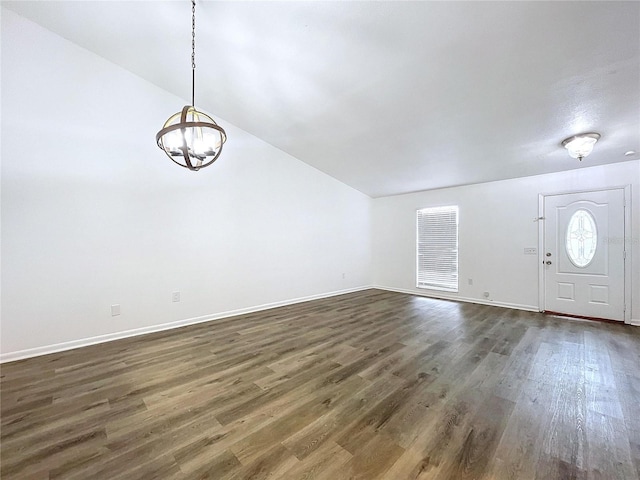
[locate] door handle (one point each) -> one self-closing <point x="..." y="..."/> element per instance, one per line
<point x="548" y="262"/>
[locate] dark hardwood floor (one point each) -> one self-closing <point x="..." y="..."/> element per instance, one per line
<point x="361" y="386"/>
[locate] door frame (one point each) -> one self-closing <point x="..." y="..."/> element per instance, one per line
<point x="627" y="244"/>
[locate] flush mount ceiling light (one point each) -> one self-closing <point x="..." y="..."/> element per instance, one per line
<point x="581" y="145"/>
<point x="190" y="138"/>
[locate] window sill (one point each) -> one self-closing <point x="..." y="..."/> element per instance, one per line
<point x="439" y="289"/>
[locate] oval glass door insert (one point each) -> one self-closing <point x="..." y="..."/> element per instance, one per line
<point x="582" y="238"/>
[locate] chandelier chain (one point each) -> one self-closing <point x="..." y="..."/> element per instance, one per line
<point x="193" y="52"/>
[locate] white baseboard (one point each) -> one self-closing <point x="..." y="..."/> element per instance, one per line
<point x="635" y="322"/>
<point x="84" y="342"/>
<point x="445" y="296"/>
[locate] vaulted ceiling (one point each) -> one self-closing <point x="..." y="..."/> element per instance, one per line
<point x="388" y="97"/>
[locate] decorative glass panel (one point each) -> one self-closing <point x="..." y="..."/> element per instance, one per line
<point x="582" y="238"/>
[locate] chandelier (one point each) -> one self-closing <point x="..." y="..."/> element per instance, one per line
<point x="190" y="138"/>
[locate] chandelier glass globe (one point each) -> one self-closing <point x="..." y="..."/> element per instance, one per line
<point x="191" y="139"/>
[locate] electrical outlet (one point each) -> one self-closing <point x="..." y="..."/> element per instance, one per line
<point x="470" y="281"/>
<point x="175" y="297"/>
<point x="486" y="294"/>
<point x="115" y="310"/>
<point x="531" y="251"/>
<point x="344" y="275"/>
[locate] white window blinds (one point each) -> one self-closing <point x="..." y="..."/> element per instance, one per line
<point x="438" y="248"/>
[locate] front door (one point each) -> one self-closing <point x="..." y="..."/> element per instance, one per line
<point x="583" y="254"/>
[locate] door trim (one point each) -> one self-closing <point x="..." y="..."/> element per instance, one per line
<point x="627" y="244"/>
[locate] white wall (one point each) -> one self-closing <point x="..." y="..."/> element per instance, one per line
<point x="94" y="214"/>
<point x="495" y="225"/>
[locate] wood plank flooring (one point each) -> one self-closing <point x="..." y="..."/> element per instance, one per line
<point x="370" y="385"/>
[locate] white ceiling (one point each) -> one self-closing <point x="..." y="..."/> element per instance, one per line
<point x="388" y="97"/>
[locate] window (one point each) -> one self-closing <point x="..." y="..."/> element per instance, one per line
<point x="438" y="248"/>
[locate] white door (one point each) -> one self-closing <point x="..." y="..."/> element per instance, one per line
<point x="583" y="254"/>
